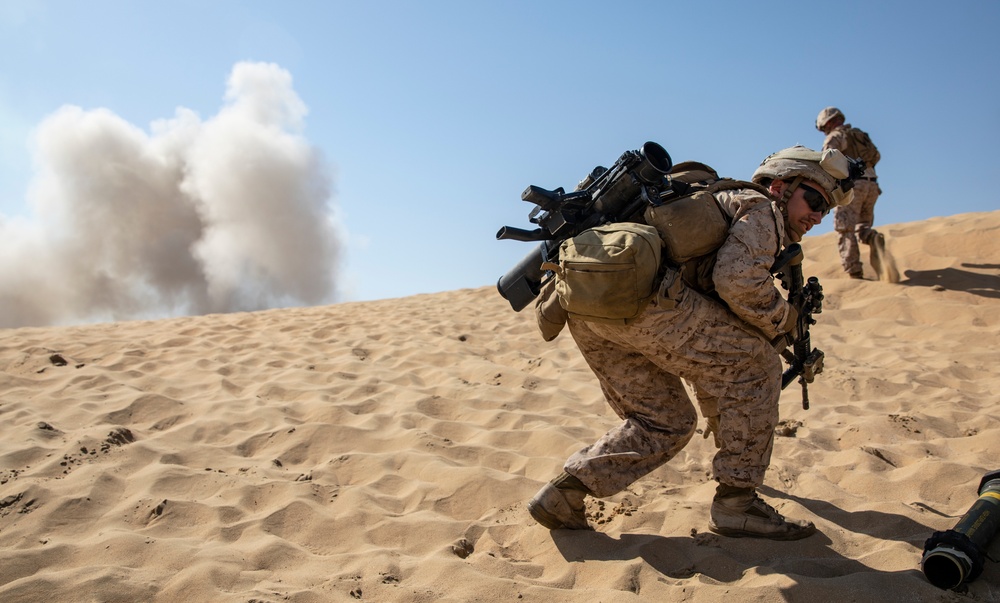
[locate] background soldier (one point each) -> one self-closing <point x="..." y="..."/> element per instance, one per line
<point x="854" y="222"/>
<point x="723" y="342"/>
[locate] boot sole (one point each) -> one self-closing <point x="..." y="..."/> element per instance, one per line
<point x="796" y="534"/>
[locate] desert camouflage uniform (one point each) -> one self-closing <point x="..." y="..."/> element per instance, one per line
<point x="853" y="222"/>
<point x="723" y="350"/>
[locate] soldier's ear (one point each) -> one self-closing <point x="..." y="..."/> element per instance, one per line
<point x="777" y="188"/>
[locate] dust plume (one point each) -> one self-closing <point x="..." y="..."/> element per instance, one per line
<point x="227" y="214"/>
<point x="883" y="262"/>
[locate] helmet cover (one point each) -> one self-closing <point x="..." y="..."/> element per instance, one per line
<point x="828" y="168"/>
<point x="826" y="115"/>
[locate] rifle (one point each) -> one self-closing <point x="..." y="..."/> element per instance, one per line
<point x="804" y="361"/>
<point x="614" y="194"/>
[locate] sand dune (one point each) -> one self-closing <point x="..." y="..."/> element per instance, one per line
<point x="384" y="451"/>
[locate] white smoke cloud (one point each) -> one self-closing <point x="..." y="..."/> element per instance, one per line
<point x="228" y="214"/>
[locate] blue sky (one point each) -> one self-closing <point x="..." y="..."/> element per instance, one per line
<point x="431" y="117"/>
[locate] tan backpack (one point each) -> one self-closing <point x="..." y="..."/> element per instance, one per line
<point x="864" y="148"/>
<point x="610" y="273"/>
<point x="692" y="223"/>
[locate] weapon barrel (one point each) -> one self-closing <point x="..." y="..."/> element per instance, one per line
<point x="954" y="557"/>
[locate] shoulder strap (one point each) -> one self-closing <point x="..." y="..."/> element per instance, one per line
<point x="726" y="184"/>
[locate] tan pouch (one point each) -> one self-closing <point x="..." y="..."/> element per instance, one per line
<point x="608" y="273"/>
<point x="691" y="226"/>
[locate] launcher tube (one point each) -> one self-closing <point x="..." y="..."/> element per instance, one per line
<point x="954" y="557"/>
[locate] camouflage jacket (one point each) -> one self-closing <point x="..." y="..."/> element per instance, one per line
<point x="738" y="273"/>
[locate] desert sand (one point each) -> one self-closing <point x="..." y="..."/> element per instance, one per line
<point x="385" y="451"/>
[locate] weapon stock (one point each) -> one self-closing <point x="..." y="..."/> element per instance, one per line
<point x="804" y="361"/>
<point x="605" y="195"/>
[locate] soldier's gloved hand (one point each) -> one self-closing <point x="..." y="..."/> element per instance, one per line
<point x="791" y="321"/>
<point x="712" y="427"/>
<point x="782" y="341"/>
<point x="787" y="329"/>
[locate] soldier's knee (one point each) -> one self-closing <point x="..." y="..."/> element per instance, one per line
<point x="681" y="424"/>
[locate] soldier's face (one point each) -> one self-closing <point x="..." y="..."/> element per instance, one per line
<point x="805" y="213"/>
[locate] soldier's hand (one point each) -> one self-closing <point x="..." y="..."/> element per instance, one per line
<point x="787" y="329"/>
<point x="712" y="427"/>
<point x="781" y="342"/>
<point x="791" y="320"/>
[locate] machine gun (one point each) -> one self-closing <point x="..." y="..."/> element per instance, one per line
<point x="614" y="194"/>
<point x="804" y="361"/>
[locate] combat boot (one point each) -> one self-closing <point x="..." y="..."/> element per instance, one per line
<point x="739" y="512"/>
<point x="559" y="504"/>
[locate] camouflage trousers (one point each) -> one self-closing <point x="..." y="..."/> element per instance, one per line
<point x="735" y="372"/>
<point x="853" y="223"/>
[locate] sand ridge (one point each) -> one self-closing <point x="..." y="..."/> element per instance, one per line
<point x="384" y="451"/>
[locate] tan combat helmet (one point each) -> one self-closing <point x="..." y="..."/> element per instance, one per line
<point x="826" y="115"/>
<point x="830" y="169"/>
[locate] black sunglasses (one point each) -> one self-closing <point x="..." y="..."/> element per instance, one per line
<point x="815" y="199"/>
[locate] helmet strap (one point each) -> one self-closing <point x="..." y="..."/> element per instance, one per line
<point x="791" y="189"/>
<point x="785" y="196"/>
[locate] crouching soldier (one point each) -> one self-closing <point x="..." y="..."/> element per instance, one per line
<point x="712" y="323"/>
